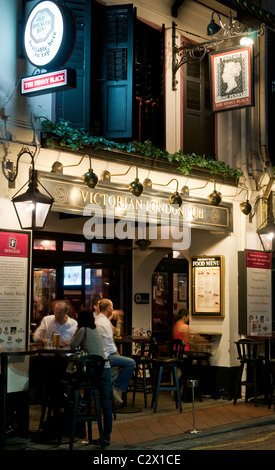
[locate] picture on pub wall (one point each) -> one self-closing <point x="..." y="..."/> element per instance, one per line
<point x="231" y="78"/>
<point x="208" y="286"/>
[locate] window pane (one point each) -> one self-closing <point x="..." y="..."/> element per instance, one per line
<point x="74" y="246"/>
<point x="104" y="248"/>
<point x="96" y="284"/>
<point x="44" y="245"/>
<point x="44" y="292"/>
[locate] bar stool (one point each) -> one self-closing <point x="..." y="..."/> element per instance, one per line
<point x="248" y="355"/>
<point x="86" y="379"/>
<point x="171" y="364"/>
<point x="271" y="381"/>
<point x="143" y="367"/>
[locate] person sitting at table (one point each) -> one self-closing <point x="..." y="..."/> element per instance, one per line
<point x="59" y="322"/>
<point x="88" y="336"/>
<point x="125" y="364"/>
<point x="181" y="328"/>
<point x="50" y="368"/>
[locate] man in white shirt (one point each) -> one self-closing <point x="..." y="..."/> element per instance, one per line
<point x="125" y="364"/>
<point x="59" y="322"/>
<point x="50" y="369"/>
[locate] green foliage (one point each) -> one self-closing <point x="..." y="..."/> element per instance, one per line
<point x="75" y="139"/>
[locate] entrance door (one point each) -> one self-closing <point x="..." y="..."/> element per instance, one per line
<point x="169" y="294"/>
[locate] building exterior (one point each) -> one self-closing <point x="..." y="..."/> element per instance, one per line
<point x="133" y="84"/>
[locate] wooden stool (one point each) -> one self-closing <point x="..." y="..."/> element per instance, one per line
<point x="248" y="355"/>
<point x="144" y="365"/>
<point x="172" y="364"/>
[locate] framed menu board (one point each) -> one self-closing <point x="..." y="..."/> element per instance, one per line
<point x="208" y="286"/>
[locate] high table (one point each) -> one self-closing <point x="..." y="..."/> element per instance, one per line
<point x="56" y="366"/>
<point x="266" y="339"/>
<point x="4" y="356"/>
<point x="124" y="343"/>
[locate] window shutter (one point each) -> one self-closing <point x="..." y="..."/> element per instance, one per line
<point x="117" y="86"/>
<point x="198" y="120"/>
<point x="74" y="105"/>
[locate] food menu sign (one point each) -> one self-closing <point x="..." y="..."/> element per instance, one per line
<point x="14" y="294"/>
<point x="259" y="292"/>
<point x="207" y="285"/>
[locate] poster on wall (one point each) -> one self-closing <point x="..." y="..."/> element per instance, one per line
<point x="207" y="286"/>
<point x="259" y="292"/>
<point x="14" y="288"/>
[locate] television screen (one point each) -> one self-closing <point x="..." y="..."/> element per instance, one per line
<point x="72" y="276"/>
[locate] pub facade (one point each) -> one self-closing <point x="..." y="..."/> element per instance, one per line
<point x="159" y="179"/>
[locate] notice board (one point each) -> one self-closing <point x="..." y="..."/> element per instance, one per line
<point x="255" y="292"/>
<point x="14" y="288"/>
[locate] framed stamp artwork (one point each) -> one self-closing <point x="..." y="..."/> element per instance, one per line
<point x="231" y="78"/>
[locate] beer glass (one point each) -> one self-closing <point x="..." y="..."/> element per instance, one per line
<point x="56" y="340"/>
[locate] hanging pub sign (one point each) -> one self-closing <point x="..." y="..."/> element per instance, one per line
<point x="48" y="82"/>
<point x="49" y="39"/>
<point x="231" y="78"/>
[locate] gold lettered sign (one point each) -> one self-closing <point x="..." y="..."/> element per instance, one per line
<point x="71" y="195"/>
<point x="208" y="286"/>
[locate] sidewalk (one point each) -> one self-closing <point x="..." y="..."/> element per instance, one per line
<point x="146" y="429"/>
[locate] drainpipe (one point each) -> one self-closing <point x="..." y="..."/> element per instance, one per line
<point x="244" y="149"/>
<point x="270" y="173"/>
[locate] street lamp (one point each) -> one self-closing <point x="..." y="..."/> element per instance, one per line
<point x="32" y="207"/>
<point x="266" y="231"/>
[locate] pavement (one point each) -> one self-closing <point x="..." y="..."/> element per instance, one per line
<point x="211" y="425"/>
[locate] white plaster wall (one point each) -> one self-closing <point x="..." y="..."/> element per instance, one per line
<point x="203" y="243"/>
<point x="19" y="114"/>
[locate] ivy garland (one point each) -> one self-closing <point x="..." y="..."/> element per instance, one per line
<point x="74" y="139"/>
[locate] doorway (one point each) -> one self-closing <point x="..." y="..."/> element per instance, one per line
<point x="169" y="294"/>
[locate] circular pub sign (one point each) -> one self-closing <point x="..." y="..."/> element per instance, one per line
<point x="50" y="34"/>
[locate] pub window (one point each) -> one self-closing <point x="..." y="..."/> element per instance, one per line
<point x="119" y="64"/>
<point x="104" y="248"/>
<point x="73" y="246"/>
<point x="198" y="119"/>
<point x="46" y="245"/>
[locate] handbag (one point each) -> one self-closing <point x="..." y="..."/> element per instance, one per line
<point x="71" y="367"/>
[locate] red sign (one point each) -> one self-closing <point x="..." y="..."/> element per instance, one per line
<point x="14" y="244"/>
<point x="48" y="82"/>
<point x="258" y="259"/>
